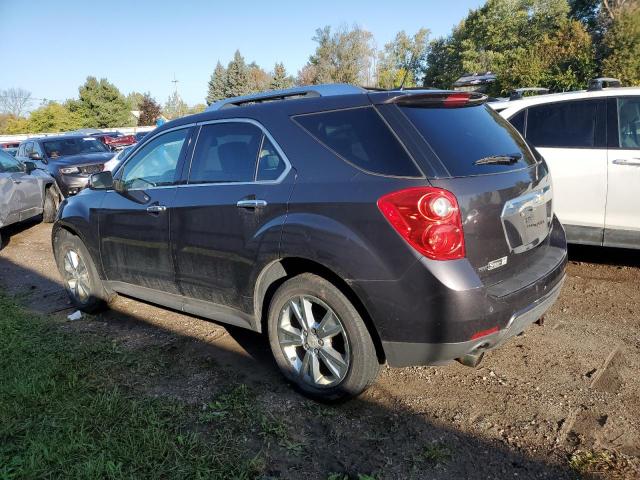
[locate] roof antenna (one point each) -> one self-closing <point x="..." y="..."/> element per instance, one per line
<point x="406" y="70"/>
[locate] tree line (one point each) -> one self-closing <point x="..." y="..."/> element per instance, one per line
<point x="557" y="44"/>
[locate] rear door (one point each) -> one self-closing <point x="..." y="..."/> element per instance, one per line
<point x="571" y="136"/>
<point x="134" y="221"/>
<point x="622" y="222"/>
<point x="228" y="217"/>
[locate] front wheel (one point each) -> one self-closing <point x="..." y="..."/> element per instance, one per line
<point x="81" y="280"/>
<point x="319" y="339"/>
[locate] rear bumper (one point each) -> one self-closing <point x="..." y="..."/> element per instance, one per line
<point x="402" y="354"/>
<point x="437" y="311"/>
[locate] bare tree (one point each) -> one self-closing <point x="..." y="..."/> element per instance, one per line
<point x="14" y="101"/>
<point x="614" y="8"/>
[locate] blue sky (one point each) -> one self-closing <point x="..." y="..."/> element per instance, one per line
<point x="50" y="47"/>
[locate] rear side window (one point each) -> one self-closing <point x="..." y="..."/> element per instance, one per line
<point x="270" y="164"/>
<point x="226" y="152"/>
<point x="465" y="139"/>
<point x="361" y="137"/>
<point x="565" y="124"/>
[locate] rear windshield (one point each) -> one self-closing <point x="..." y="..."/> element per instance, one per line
<point x="73" y="146"/>
<point x="460" y="137"/>
<point x="360" y="136"/>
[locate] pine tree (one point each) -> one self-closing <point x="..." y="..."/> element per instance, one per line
<point x="217" y="84"/>
<point x="280" y="78"/>
<point x="237" y="77"/>
<point x="175" y="106"/>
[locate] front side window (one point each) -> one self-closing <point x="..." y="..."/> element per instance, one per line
<point x="361" y="137"/>
<point x="73" y="146"/>
<point x="629" y="122"/>
<point x="155" y="164"/>
<point x="8" y="164"/>
<point x="226" y="152"/>
<point x="28" y="149"/>
<point x="565" y="124"/>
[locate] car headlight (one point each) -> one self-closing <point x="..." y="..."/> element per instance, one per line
<point x="69" y="170"/>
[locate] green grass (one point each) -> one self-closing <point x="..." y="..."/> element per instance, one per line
<point x="65" y="414"/>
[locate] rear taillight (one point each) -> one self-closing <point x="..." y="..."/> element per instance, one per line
<point x="428" y="219"/>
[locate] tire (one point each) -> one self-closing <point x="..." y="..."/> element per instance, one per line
<point x="50" y="206"/>
<point x="334" y="365"/>
<point x="84" y="286"/>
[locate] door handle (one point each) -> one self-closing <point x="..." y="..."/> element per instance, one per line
<point x="633" y="162"/>
<point x="17" y="182"/>
<point x="251" y="203"/>
<point x="156" y="208"/>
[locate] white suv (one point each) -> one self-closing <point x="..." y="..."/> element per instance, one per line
<point x="591" y="141"/>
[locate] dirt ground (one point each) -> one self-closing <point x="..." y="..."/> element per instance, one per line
<point x="562" y="395"/>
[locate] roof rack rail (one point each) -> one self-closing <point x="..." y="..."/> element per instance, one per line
<point x="324" y="90"/>
<point x="519" y="93"/>
<point x="603" y="82"/>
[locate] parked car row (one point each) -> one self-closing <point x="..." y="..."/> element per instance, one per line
<point x="63" y="164"/>
<point x="353" y="227"/>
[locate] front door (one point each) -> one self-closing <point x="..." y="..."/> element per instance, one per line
<point x="622" y="223"/>
<point x="228" y="218"/>
<point x="134" y="219"/>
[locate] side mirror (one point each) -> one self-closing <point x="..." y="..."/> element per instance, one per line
<point x="35" y="156"/>
<point x="101" y="181"/>
<point x="29" y="167"/>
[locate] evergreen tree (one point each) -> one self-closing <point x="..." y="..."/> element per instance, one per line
<point x="175" y="106"/>
<point x="237" y="77"/>
<point x="217" y="84"/>
<point x="101" y="105"/>
<point x="280" y="78"/>
<point x="150" y="110"/>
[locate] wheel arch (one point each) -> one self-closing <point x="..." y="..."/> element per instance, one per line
<point x="278" y="271"/>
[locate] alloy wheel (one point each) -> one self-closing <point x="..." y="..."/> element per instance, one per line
<point x="76" y="276"/>
<point x="314" y="341"/>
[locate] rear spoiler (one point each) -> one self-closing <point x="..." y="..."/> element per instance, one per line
<point x="436" y="99"/>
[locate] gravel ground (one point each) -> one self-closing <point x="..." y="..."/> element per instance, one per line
<point x="560" y="399"/>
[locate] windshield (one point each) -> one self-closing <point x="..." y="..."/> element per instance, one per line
<point x="73" y="146"/>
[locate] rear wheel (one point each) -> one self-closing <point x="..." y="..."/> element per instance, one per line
<point x="319" y="339"/>
<point x="50" y="206"/>
<point x="81" y="280"/>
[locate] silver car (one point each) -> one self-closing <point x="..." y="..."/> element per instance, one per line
<point x="25" y="192"/>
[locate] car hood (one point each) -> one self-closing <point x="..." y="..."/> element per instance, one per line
<point x="82" y="159"/>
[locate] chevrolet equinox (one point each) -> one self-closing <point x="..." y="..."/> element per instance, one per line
<point x="354" y="227"/>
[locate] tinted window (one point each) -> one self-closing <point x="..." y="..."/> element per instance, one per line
<point x="28" y="149"/>
<point x="462" y="136"/>
<point x="629" y="122"/>
<point x="226" y="152"/>
<point x="361" y="137"/>
<point x="518" y="121"/>
<point x="564" y="124"/>
<point x="8" y="164"/>
<point x="73" y="146"/>
<point x="155" y="164"/>
<point x="270" y="164"/>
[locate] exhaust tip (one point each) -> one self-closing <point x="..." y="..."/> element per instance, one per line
<point x="471" y="359"/>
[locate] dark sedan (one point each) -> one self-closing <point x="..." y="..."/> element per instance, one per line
<point x="70" y="159"/>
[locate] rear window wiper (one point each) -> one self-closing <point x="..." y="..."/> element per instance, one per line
<point x="499" y="160"/>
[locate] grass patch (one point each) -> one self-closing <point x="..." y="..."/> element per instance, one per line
<point x="64" y="413"/>
<point x="602" y="463"/>
<point x="434" y="454"/>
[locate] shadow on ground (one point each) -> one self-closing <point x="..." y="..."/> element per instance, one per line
<point x="374" y="433"/>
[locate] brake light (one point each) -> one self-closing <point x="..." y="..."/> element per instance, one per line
<point x="456" y="100"/>
<point x="428" y="219"/>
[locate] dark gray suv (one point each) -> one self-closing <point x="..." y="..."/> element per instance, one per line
<point x="353" y="227"/>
